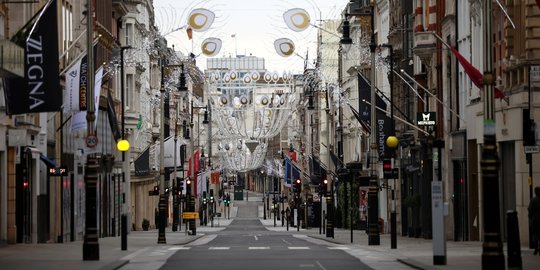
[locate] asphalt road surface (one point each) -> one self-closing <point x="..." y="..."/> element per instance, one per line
<point x="246" y="244"/>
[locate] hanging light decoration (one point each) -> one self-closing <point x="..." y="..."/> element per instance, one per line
<point x="244" y="106"/>
<point x="241" y="155"/>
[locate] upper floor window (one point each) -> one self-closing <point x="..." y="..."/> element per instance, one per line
<point x="129" y="34"/>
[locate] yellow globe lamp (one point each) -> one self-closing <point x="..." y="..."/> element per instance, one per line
<point x="122" y="145"/>
<point x="392" y="141"/>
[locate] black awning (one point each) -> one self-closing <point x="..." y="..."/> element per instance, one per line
<point x="49" y="162"/>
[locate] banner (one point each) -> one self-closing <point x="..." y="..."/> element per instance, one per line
<point x="113" y="121"/>
<point x="76" y="86"/>
<point x="142" y="163"/>
<point x="39" y="90"/>
<point x="78" y="121"/>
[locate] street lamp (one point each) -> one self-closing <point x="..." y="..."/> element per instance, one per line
<point x="373" y="193"/>
<point x="123" y="146"/>
<point x="91" y="242"/>
<point x="492" y="249"/>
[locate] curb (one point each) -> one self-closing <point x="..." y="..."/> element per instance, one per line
<point x="115" y="265"/>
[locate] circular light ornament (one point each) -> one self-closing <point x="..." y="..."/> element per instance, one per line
<point x="284" y="47"/>
<point x="223" y="100"/>
<point x="247" y="79"/>
<point x="267" y="77"/>
<point x="296" y="19"/>
<point x="392" y="141"/>
<point x="211" y="46"/>
<point x="255" y="76"/>
<point x="243" y="100"/>
<point x="122" y="145"/>
<point x="264" y="100"/>
<point x="201" y="19"/>
<point x="233" y="75"/>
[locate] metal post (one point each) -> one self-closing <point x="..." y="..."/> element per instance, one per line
<point x="373" y="193"/>
<point x="162" y="196"/>
<point x="174" y="181"/>
<point x="91" y="244"/>
<point x="123" y="218"/>
<point x="492" y="254"/>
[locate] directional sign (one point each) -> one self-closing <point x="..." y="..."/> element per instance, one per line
<point x="535" y="73"/>
<point x="529" y="149"/>
<point x="91" y="141"/>
<point x="190" y="215"/>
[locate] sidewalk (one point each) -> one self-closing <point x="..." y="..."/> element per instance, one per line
<point x="414" y="252"/>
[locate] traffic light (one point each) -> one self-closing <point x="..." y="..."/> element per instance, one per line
<point x="297" y="188"/>
<point x="387" y="169"/>
<point x="204" y="197"/>
<point x="324" y="187"/>
<point x="211" y="196"/>
<point x="188" y="186"/>
<point x="156" y="190"/>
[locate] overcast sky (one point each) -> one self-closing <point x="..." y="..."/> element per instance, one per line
<point x="256" y="24"/>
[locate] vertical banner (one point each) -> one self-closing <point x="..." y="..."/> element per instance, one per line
<point x="39" y="90"/>
<point x="113" y="121"/>
<point x="78" y="121"/>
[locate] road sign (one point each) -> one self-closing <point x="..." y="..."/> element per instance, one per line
<point x="190" y="215"/>
<point x="91" y="141"/>
<point x="529" y="149"/>
<point x="535" y="73"/>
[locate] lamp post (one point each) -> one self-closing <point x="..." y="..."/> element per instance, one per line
<point x="373" y="193"/>
<point x="91" y="243"/>
<point x="123" y="146"/>
<point x="162" y="196"/>
<point x="392" y="142"/>
<point x="492" y="249"/>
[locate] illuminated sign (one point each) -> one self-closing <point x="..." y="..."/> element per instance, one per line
<point x="58" y="171"/>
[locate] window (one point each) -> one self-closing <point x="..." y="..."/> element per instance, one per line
<point x="129" y="34"/>
<point x="130" y="89"/>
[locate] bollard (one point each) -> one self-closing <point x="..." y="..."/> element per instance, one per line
<point x="393" y="228"/>
<point x="514" y="246"/>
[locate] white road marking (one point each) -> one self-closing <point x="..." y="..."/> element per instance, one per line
<point x="179" y="248"/>
<point x="307" y="265"/>
<point x="286" y="242"/>
<point x="259" y="247"/>
<point x="298" y="247"/>
<point x="219" y="248"/>
<point x="256" y="238"/>
<point x="340" y="248"/>
<point x="320" y="265"/>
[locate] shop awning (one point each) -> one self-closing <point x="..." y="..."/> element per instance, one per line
<point x="49" y="162"/>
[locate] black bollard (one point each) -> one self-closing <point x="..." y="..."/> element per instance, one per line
<point x="393" y="233"/>
<point x="514" y="246"/>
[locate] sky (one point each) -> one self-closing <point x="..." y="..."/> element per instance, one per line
<point x="247" y="27"/>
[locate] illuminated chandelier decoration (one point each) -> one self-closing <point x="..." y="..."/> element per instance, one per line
<point x="251" y="107"/>
<point x="241" y="155"/>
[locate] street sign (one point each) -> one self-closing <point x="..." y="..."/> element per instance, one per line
<point x="91" y="141"/>
<point x="529" y="149"/>
<point x="535" y="73"/>
<point x="190" y="215"/>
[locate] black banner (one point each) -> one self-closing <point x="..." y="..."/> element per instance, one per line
<point x="39" y="90"/>
<point x="113" y="122"/>
<point x="364" y="96"/>
<point x="142" y="163"/>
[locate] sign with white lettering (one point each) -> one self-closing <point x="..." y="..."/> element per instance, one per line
<point x="39" y="90"/>
<point x="426" y="118"/>
<point x="535" y="73"/>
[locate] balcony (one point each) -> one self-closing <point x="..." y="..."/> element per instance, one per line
<point x="424" y="45"/>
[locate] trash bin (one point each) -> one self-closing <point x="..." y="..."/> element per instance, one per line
<point x="381" y="225"/>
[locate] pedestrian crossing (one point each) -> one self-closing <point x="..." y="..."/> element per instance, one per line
<point x="256" y="248"/>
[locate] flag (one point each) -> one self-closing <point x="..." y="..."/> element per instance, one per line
<point x="474" y="74"/>
<point x="39" y="90"/>
<point x="364" y="125"/>
<point x="78" y="120"/>
<point x="189" y="32"/>
<point x="73" y="80"/>
<point x="196" y="165"/>
<point x="111" y="113"/>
